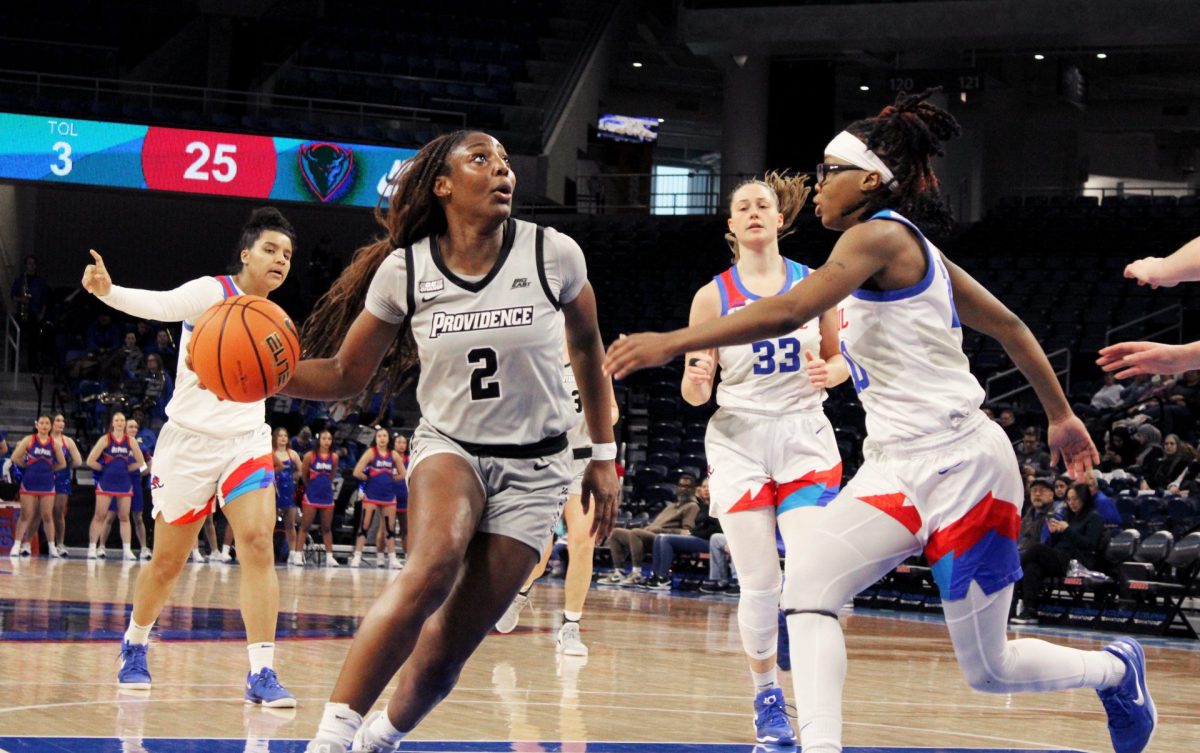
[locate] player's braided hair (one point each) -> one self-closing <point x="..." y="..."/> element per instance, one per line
<point x="907" y="135"/>
<point x="790" y="192"/>
<point x="413" y="212"/>
<point x="261" y="219"/>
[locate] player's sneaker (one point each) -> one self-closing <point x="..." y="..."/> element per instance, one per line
<point x="330" y="561"/>
<point x="1131" y="713"/>
<point x="222" y="556"/>
<point x="296" y="558"/>
<point x="133" y="673"/>
<point x="771" y="723"/>
<point x="101" y="552"/>
<point x="568" y="642"/>
<point x="127" y="555"/>
<point x="264" y="688"/>
<point x="394" y="563"/>
<point x="355" y="561"/>
<point x="197" y="556"/>
<point x="783" y="645"/>
<point x="145" y="555"/>
<point x="365" y="742"/>
<point x="508" y="621"/>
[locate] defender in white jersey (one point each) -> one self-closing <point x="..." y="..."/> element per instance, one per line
<point x="772" y="457"/>
<point x="210" y="452"/>
<point x="580" y="543"/>
<point x="939" y="478"/>
<point x="490" y="468"/>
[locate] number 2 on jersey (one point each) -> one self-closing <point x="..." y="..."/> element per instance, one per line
<point x="788" y="356"/>
<point x="483" y="387"/>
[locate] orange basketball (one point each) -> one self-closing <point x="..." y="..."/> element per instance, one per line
<point x="244" y="348"/>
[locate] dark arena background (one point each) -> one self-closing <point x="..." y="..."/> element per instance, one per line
<point x="148" y="131"/>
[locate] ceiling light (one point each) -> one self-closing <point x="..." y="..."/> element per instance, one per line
<point x="864" y="88"/>
<point x="1101" y="55"/>
<point x="1038" y="56"/>
<point x="637" y="65"/>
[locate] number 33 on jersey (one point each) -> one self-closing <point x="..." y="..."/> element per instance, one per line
<point x="490" y="347"/>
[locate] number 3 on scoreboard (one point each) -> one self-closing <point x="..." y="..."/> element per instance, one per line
<point x="224" y="169"/>
<point x="62" y="167"/>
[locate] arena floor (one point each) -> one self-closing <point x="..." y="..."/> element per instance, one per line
<point x="666" y="674"/>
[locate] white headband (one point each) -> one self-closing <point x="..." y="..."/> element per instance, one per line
<point x="846" y="146"/>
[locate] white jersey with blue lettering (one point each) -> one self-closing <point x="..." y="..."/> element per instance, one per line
<point x="190" y="407"/>
<point x="490" y="349"/>
<point x="768" y="375"/>
<point x="904" y="350"/>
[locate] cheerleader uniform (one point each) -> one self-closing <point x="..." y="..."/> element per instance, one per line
<point x="380" y="487"/>
<point x="37" y="477"/>
<point x="285" y="485"/>
<point x="114" y="473"/>
<point x="62" y="479"/>
<point x="318" y="490"/>
<point x="402" y="488"/>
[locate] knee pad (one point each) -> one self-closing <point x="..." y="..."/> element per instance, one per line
<point x="362" y="532"/>
<point x="800" y="597"/>
<point x="758" y="621"/>
<point x="388" y="533"/>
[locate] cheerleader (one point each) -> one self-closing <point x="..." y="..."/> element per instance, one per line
<point x="112" y="458"/>
<point x="318" y="470"/>
<point x="380" y="468"/>
<point x="287" y="467"/>
<point x="40" y="457"/>
<point x="62" y="479"/>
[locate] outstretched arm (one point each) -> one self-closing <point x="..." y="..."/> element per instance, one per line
<point x="1181" y="266"/>
<point x="860" y="253"/>
<point x="979" y="309"/>
<point x="347" y="373"/>
<point x="185" y="302"/>
<point x="1133" y="358"/>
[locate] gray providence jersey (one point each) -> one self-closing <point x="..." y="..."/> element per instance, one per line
<point x="491" y="349"/>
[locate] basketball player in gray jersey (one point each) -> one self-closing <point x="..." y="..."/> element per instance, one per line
<point x="490" y="466"/>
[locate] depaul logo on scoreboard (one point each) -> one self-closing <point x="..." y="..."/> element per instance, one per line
<point x="328" y="169"/>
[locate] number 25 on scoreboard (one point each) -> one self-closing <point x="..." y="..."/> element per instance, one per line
<point x="174" y="159"/>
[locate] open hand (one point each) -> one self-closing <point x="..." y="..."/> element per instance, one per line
<point x="1070" y="442"/>
<point x="1148" y="271"/>
<point x="601" y="488"/>
<point x="95" y="276"/>
<point x="1131" y="359"/>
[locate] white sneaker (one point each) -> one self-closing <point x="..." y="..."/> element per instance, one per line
<point x="15" y="552"/>
<point x="330" y="561"/>
<point x="612" y="579"/>
<point x="568" y="640"/>
<point x="101" y="552"/>
<point x="394" y="563"/>
<point x="146" y="555"/>
<point x="222" y="556"/>
<point x="128" y="556"/>
<point x="196" y="556"/>
<point x="355" y="561"/>
<point x="53" y="551"/>
<point x="296" y="558"/>
<point x="92" y="554"/>
<point x="365" y="742"/>
<point x="508" y="621"/>
<point x="633" y="579"/>
<point x="380" y="560"/>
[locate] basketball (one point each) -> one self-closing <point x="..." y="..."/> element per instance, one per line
<point x="244" y="348"/>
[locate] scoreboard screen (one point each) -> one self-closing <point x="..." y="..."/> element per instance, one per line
<point x="121" y="155"/>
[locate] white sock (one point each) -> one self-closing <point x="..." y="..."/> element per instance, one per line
<point x="139" y="635"/>
<point x="570" y="616"/>
<point x="381" y="729"/>
<point x="225" y="549"/>
<point x="261" y="655"/>
<point x="1112" y="667"/>
<point x="339" y="722"/>
<point x="764" y="680"/>
<point x="128" y="549"/>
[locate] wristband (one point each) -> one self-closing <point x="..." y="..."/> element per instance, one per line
<point x="604" y="451"/>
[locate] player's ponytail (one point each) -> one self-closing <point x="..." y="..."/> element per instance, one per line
<point x="413" y="212"/>
<point x="790" y="193"/>
<point x="261" y="220"/>
<point x="907" y="135"/>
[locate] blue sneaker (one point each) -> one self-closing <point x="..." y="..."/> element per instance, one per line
<point x="1131" y="713"/>
<point x="133" y="673"/>
<point x="771" y="723"/>
<point x="264" y="688"/>
<point x="783" y="656"/>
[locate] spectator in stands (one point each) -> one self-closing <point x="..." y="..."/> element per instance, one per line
<point x="1177" y="455"/>
<point x="1148" y="442"/>
<point x="164" y="346"/>
<point x="721" y="573"/>
<point x="1077" y="535"/>
<point x="1008" y="422"/>
<point x="1106" y="508"/>
<point x="1119" y="451"/>
<point x="144" y="333"/>
<point x="1037" y="514"/>
<point x="1108" y="396"/>
<point x="159" y="387"/>
<point x="1062" y="485"/>
<point x="103" y="337"/>
<point x="678" y="517"/>
<point x="667" y="545"/>
<point x="303" y="441"/>
<point x="1031" y="451"/>
<point x="30" y="296"/>
<point x="134" y="362"/>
